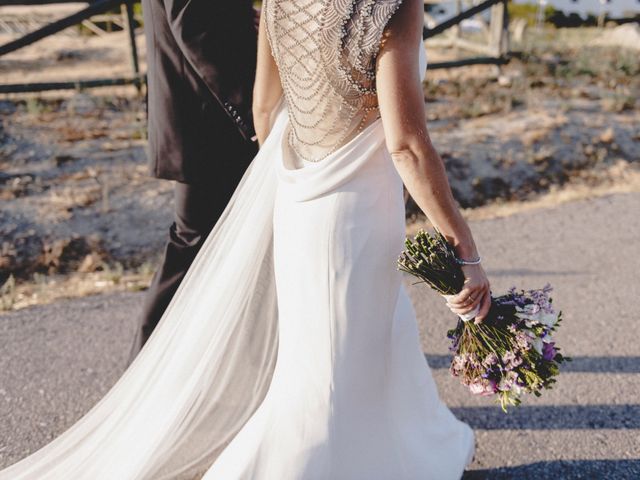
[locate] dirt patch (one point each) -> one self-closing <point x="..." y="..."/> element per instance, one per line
<point x="553" y="116"/>
<point x="74" y="186"/>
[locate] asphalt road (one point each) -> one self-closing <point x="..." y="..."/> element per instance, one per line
<point x="58" y="360"/>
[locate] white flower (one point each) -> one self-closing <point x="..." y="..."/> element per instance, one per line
<point x="533" y="316"/>
<point x="529" y="318"/>
<point x="490" y="359"/>
<point x="548" y="319"/>
<point x="537" y="344"/>
<point x="476" y="388"/>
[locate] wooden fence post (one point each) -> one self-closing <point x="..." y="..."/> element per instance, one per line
<point x="496" y="28"/>
<point x="129" y="25"/>
<point x="456" y="31"/>
<point x="505" y="43"/>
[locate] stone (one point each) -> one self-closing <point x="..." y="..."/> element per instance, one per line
<point x="607" y="136"/>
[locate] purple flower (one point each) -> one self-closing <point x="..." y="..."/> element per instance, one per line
<point x="509" y="382"/>
<point x="548" y="351"/>
<point x="490" y="359"/>
<point x="458" y="364"/>
<point x="522" y="341"/>
<point x="473" y="360"/>
<point x="516" y="362"/>
<point x="532" y="308"/>
<point x="483" y="387"/>
<point x="476" y="388"/>
<point x="490" y="388"/>
<point x="508" y="357"/>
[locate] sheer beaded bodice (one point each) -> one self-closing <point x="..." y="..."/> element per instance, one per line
<point x="326" y="54"/>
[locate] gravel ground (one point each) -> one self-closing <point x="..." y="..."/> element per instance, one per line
<point x="59" y="359"/>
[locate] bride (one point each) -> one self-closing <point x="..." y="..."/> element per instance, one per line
<point x="290" y="350"/>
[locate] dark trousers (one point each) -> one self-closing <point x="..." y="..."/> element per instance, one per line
<point x="197" y="209"/>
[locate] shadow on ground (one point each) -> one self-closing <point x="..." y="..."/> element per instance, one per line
<point x="512" y="272"/>
<point x="562" y="469"/>
<point x="552" y="417"/>
<point x="578" y="364"/>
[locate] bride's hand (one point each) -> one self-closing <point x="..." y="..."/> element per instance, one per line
<point x="475" y="293"/>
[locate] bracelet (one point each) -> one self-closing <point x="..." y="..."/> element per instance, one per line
<point x="461" y="261"/>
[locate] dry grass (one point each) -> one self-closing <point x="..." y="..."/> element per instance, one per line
<point x="43" y="289"/>
<point x="623" y="179"/>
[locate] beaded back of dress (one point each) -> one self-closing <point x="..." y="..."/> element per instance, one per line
<point x="326" y="53"/>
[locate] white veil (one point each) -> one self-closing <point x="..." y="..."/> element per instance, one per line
<point x="205" y="369"/>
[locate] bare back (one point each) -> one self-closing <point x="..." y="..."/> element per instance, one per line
<point x="326" y="55"/>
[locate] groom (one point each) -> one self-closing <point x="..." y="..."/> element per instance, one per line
<point x="201" y="57"/>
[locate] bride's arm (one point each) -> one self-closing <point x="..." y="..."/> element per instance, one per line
<point x="401" y="101"/>
<point x="267" y="89"/>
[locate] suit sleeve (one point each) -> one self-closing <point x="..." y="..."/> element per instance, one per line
<point x="218" y="39"/>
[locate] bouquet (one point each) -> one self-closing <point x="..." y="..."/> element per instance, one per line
<point x="512" y="351"/>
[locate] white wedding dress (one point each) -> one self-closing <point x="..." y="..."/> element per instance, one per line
<point x="291" y="350"/>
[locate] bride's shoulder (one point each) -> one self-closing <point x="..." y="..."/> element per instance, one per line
<point x="359" y="25"/>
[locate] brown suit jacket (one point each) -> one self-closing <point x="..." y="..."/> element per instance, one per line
<point x="201" y="58"/>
